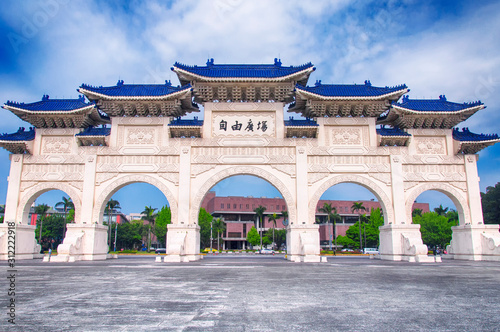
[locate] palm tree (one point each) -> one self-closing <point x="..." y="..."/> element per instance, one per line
<point x="284" y="215"/>
<point x="66" y="204"/>
<point x="416" y="212"/>
<point x="220" y="227"/>
<point x="150" y="216"/>
<point x="358" y="206"/>
<point x="41" y="210"/>
<point x="111" y="207"/>
<point x="259" y="211"/>
<point x="441" y="210"/>
<point x="273" y="217"/>
<point x="327" y="208"/>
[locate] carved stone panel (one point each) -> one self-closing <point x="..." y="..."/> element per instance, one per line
<point x="57" y="145"/>
<point x="141" y="135"/>
<point x="430" y="145"/>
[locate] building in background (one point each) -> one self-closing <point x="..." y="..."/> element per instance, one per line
<point x="239" y="216"/>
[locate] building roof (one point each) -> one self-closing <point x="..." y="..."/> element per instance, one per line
<point x="354" y="91"/>
<point x="395" y="131"/>
<point x="51" y="105"/>
<point x="186" y="122"/>
<point x="435" y="105"/>
<point x="20" y="136"/>
<point x="291" y="122"/>
<point x="95" y="131"/>
<point x="132" y="90"/>
<point x="466" y="136"/>
<point x="240" y="72"/>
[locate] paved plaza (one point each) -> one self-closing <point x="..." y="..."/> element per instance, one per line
<point x="254" y="293"/>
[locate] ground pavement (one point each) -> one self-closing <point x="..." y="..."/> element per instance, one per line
<point x="253" y="293"/>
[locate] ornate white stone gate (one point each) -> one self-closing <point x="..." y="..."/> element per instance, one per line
<point x="244" y="132"/>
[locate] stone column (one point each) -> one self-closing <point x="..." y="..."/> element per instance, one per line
<point x="400" y="239"/>
<point x="474" y="240"/>
<point x="302" y="234"/>
<point x="183" y="237"/>
<point x="12" y="202"/>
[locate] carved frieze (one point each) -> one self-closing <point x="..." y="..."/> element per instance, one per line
<point x="46" y="172"/>
<point x="346" y="136"/>
<point x="430" y="145"/>
<point x="287" y="169"/>
<point x="434" y="172"/>
<point x="57" y="145"/>
<point x="141" y="135"/>
<point x="312" y="178"/>
<point x="382" y="177"/>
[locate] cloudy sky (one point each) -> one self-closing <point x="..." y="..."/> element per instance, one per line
<point x="435" y="47"/>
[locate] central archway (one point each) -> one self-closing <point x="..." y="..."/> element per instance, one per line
<point x="243" y="170"/>
<point x="375" y="189"/>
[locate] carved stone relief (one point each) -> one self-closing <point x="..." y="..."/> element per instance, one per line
<point x="346" y="136"/>
<point x="57" y="145"/>
<point x="141" y="135"/>
<point x="430" y="145"/>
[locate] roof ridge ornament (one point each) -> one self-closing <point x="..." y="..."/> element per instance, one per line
<point x="210" y="62"/>
<point x="277" y="62"/>
<point x="406" y="98"/>
<point x="368" y="83"/>
<point x="45" y="97"/>
<point x="442" y="97"/>
<point x="168" y="83"/>
<point x="120" y="83"/>
<point x="318" y="83"/>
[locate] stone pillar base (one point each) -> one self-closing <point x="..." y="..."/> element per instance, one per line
<point x="183" y="243"/>
<point x="475" y="242"/>
<point x="303" y="244"/>
<point x="402" y="243"/>
<point x="26" y="246"/>
<point x="86" y="242"/>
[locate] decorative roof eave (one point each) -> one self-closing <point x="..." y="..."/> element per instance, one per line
<point x="395" y="95"/>
<point x="22" y="111"/>
<point x="286" y="78"/>
<point x="470" y="110"/>
<point x="17" y="147"/>
<point x="175" y="95"/>
<point x="473" y="147"/>
<point x="301" y="131"/>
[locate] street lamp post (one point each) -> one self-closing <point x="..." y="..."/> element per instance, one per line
<point x="116" y="230"/>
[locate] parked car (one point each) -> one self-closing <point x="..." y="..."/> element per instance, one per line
<point x="347" y="250"/>
<point x="266" y="251"/>
<point x="161" y="251"/>
<point x="371" y="251"/>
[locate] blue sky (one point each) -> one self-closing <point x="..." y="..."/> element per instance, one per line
<point x="435" y="47"/>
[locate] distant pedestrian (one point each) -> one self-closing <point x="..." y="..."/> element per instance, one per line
<point x="50" y="252"/>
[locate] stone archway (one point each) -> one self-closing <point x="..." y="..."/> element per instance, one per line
<point x="29" y="197"/>
<point x="116" y="185"/>
<point x="243" y="170"/>
<point x="375" y="189"/>
<point x="458" y="199"/>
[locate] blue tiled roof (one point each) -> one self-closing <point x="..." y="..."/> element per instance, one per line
<point x="48" y="105"/>
<point x="300" y="123"/>
<point x="20" y="136"/>
<point x="186" y="122"/>
<point x="136" y="90"/>
<point x="396" y="131"/>
<point x="243" y="71"/>
<point x="350" y="90"/>
<point x="466" y="136"/>
<point x="436" y="105"/>
<point x="93" y="131"/>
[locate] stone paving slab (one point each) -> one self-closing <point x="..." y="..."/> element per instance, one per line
<point x="254" y="293"/>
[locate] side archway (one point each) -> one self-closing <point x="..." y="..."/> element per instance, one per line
<point x="376" y="190"/>
<point x="243" y="170"/>
<point x="116" y="185"/>
<point x="458" y="199"/>
<point x="29" y="197"/>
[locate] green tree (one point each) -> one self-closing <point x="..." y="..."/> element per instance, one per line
<point x="219" y="227"/>
<point x="328" y="209"/>
<point x="204" y="220"/>
<point x="253" y="237"/>
<point x="66" y="205"/>
<point x="279" y="236"/>
<point x="435" y="229"/>
<point x="111" y="207"/>
<point x="41" y="211"/>
<point x="272" y="218"/>
<point x="356" y="207"/>
<point x="259" y="211"/>
<point x="130" y="234"/>
<point x="372" y="228"/>
<point x="150" y="216"/>
<point x="416" y="212"/>
<point x="346" y="241"/>
<point x="163" y="218"/>
<point x="52" y="232"/>
<point x="491" y="204"/>
<point x="441" y="210"/>
<point x="284" y="215"/>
